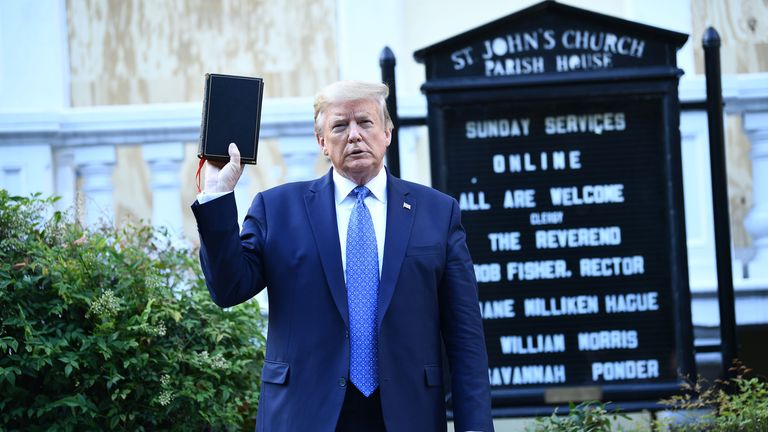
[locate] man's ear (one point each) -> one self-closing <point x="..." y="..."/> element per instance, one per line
<point x="388" y="135"/>
<point x="321" y="142"/>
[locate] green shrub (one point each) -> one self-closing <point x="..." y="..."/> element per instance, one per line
<point x="111" y="329"/>
<point x="738" y="404"/>
<point x="585" y="417"/>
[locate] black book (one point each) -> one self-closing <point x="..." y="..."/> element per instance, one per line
<point x="231" y="113"/>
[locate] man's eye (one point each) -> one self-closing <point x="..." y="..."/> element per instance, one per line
<point x="337" y="127"/>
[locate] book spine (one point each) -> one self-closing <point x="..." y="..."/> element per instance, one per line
<point x="258" y="121"/>
<point x="204" y="118"/>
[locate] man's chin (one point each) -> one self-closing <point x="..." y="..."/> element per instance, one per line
<point x="357" y="171"/>
<point x="358" y="165"/>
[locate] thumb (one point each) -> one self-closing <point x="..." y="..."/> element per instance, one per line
<point x="234" y="154"/>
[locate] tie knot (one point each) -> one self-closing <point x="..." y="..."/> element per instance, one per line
<point x="361" y="192"/>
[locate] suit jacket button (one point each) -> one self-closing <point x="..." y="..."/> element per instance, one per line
<point x="342" y="382"/>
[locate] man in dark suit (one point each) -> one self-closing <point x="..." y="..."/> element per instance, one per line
<point x="368" y="275"/>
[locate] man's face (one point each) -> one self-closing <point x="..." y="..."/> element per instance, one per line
<point x="355" y="137"/>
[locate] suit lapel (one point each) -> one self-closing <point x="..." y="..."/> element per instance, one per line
<point x="321" y="213"/>
<point x="399" y="222"/>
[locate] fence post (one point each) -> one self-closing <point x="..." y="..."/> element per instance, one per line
<point x="387" y="64"/>
<point x="729" y="350"/>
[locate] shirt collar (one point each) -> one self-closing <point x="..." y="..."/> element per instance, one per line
<point x="377" y="185"/>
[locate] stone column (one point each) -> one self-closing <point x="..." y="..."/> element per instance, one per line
<point x="95" y="166"/>
<point x="756" y="222"/>
<point x="65" y="175"/>
<point x="164" y="160"/>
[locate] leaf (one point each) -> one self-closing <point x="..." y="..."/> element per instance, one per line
<point x="11" y="378"/>
<point x="113" y="379"/>
<point x="70" y="401"/>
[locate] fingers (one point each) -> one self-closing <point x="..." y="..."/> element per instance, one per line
<point x="217" y="164"/>
<point x="231" y="173"/>
<point x="234" y="154"/>
<point x="222" y="176"/>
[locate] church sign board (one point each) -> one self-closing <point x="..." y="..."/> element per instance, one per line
<point x="557" y="130"/>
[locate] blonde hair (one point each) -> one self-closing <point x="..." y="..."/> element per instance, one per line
<point x="345" y="91"/>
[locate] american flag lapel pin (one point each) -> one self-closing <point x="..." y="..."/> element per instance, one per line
<point x="406" y="206"/>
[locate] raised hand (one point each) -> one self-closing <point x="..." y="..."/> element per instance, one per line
<point x="221" y="176"/>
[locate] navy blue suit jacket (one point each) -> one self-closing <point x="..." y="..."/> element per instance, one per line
<point x="427" y="295"/>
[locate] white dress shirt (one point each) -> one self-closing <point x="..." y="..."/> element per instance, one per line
<point x="376" y="202"/>
<point x="204" y="197"/>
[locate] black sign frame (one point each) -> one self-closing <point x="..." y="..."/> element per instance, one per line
<point x="523" y="401"/>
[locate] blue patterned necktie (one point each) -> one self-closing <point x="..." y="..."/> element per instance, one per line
<point x="362" y="294"/>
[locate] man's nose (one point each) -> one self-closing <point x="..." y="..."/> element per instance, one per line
<point x="354" y="133"/>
